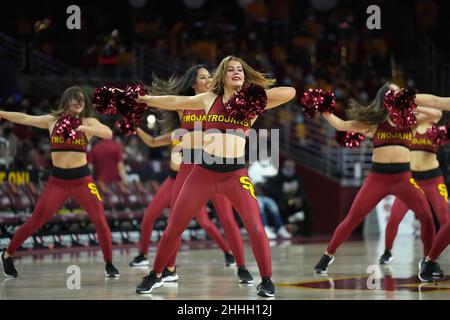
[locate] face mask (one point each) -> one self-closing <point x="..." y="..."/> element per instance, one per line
<point x="288" y="171"/>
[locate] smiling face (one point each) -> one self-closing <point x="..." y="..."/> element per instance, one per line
<point x="202" y="81"/>
<point x="234" y="75"/>
<point x="75" y="107"/>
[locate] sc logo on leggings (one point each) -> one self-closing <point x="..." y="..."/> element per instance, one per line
<point x="443" y="191"/>
<point x="93" y="188"/>
<point x="247" y="184"/>
<point x="414" y="183"/>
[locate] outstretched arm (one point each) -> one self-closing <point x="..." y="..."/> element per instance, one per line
<point x="93" y="127"/>
<point x="425" y="114"/>
<point x="431" y="101"/>
<point x="154" y="142"/>
<point x="278" y="96"/>
<point x="196" y="102"/>
<point x="348" y="125"/>
<point x="41" y="122"/>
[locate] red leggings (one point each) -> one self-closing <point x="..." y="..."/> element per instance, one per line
<point x="201" y="185"/>
<point x="55" y="193"/>
<point x="436" y="193"/>
<point x="442" y="239"/>
<point x="165" y="198"/>
<point x="375" y="188"/>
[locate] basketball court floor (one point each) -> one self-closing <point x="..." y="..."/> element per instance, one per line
<point x="355" y="274"/>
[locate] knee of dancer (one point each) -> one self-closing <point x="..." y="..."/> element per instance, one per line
<point x="257" y="231"/>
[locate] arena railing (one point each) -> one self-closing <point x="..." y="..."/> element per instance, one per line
<point x="15" y="50"/>
<point x="148" y="61"/>
<point x="312" y="143"/>
<point x="5" y="153"/>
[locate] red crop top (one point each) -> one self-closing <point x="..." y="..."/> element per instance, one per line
<point x="191" y="117"/>
<point x="421" y="142"/>
<point x="58" y="144"/>
<point x="219" y="119"/>
<point x="387" y="135"/>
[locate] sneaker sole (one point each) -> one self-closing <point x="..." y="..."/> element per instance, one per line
<point x="230" y="264"/>
<point x="156" y="285"/>
<point x="170" y="278"/>
<point x="245" y="281"/>
<point x="326" y="270"/>
<point x="262" y="293"/>
<point x="8" y="275"/>
<point x="422" y="279"/>
<point x="387" y="262"/>
<point x="139" y="264"/>
<point x="111" y="275"/>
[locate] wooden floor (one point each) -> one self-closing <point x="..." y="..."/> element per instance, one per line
<point x="354" y="274"/>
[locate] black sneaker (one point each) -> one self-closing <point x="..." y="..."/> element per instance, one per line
<point x="111" y="271"/>
<point x="322" y="266"/>
<point x="148" y="283"/>
<point x="169" y="276"/>
<point x="426" y="270"/>
<point x="386" y="258"/>
<point x="8" y="266"/>
<point x="229" y="260"/>
<point x="421" y="262"/>
<point x="437" y="271"/>
<point x="244" y="275"/>
<point x="139" y="261"/>
<point x="265" y="288"/>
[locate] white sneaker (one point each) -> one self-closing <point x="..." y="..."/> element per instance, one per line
<point x="283" y="233"/>
<point x="270" y="234"/>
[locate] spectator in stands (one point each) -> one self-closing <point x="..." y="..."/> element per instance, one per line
<point x="287" y="189"/>
<point x="107" y="161"/>
<point x="259" y="171"/>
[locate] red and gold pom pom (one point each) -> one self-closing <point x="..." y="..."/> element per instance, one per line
<point x="126" y="127"/>
<point x="247" y="103"/>
<point x="439" y="135"/>
<point x="349" y="139"/>
<point x="317" y="100"/>
<point x="110" y="101"/>
<point x="65" y="127"/>
<point x="401" y="105"/>
<point x="104" y="100"/>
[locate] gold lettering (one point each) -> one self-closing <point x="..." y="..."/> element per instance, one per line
<point x="443" y="191"/>
<point x="93" y="188"/>
<point x="247" y="184"/>
<point x="414" y="183"/>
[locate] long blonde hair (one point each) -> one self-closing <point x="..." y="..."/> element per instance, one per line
<point x="73" y="93"/>
<point x="250" y="74"/>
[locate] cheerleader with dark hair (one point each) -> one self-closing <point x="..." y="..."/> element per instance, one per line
<point x="390" y="173"/>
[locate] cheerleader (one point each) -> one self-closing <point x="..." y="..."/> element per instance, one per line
<point x="70" y="175"/>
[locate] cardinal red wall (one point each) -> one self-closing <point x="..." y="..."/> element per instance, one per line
<point x="331" y="202"/>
